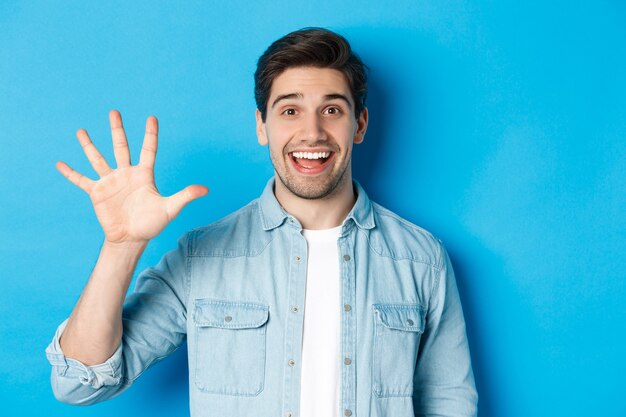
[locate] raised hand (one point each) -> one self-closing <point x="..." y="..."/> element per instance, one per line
<point x="126" y="200"/>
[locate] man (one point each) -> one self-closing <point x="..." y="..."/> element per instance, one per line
<point x="309" y="301"/>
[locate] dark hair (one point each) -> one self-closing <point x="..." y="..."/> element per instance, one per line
<point x="315" y="47"/>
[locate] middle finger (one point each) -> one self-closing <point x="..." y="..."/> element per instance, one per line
<point x="120" y="144"/>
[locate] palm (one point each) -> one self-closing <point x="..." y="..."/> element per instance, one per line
<point x="128" y="205"/>
<point x="126" y="201"/>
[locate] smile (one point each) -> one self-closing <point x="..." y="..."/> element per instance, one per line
<point x="311" y="163"/>
<point x="311" y="155"/>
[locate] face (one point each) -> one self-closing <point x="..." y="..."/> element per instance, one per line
<point x="310" y="128"/>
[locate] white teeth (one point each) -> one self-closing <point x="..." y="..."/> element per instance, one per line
<point x="311" y="155"/>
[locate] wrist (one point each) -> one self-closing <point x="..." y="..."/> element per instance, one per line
<point x="125" y="248"/>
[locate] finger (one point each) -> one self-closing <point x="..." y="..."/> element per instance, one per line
<point x="120" y="144"/>
<point x="150" y="143"/>
<point x="76" y="178"/>
<point x="94" y="156"/>
<point x="176" y="202"/>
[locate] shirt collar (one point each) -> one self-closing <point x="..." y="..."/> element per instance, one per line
<point x="362" y="212"/>
<point x="273" y="215"/>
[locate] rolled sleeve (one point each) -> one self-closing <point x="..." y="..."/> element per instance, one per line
<point x="154" y="325"/>
<point x="106" y="373"/>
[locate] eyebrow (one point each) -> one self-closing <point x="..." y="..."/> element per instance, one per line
<point x="327" y="97"/>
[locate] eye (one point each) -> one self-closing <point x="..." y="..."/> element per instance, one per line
<point x="333" y="110"/>
<point x="289" y="112"/>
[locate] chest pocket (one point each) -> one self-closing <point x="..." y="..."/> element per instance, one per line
<point x="397" y="333"/>
<point x="230" y="346"/>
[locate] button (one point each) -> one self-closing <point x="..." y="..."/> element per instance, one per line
<point x="346" y="258"/>
<point x="347" y="413"/>
<point x="288" y="414"/>
<point x="347" y="361"/>
<point x="347" y="307"/>
<point x="294" y="309"/>
<point x="228" y="318"/>
<point x="298" y="259"/>
<point x="291" y="362"/>
<point x="409" y="322"/>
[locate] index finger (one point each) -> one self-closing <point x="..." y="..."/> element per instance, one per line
<point x="75" y="177"/>
<point x="150" y="143"/>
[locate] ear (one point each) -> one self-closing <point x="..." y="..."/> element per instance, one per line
<point x="261" y="134"/>
<point x="361" y="126"/>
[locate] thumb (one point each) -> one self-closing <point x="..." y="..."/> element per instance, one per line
<point x="176" y="202"/>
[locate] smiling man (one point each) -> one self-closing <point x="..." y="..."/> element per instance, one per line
<point x="310" y="126"/>
<point x="309" y="301"/>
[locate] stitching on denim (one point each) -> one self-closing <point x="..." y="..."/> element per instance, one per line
<point x="232" y="253"/>
<point x="190" y="242"/>
<point x="382" y="211"/>
<point x="395" y="257"/>
<point x="222" y="391"/>
<point x="443" y="269"/>
<point x="267" y="227"/>
<point x="378" y="387"/>
<point x="386" y="212"/>
<point x="204" y="301"/>
<point x="391" y="254"/>
<point x="377" y="384"/>
<point x="212" y="323"/>
<point x="401" y="306"/>
<point x="242" y="212"/>
<point x="219" y="325"/>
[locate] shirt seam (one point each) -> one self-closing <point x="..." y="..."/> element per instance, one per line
<point x="398" y="258"/>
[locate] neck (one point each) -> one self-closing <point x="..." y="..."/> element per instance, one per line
<point x="321" y="213"/>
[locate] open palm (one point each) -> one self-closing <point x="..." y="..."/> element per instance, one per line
<point x="126" y="200"/>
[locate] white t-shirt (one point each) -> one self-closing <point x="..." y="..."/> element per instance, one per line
<point x="321" y="352"/>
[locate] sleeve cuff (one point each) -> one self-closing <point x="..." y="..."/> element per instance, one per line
<point x="106" y="373"/>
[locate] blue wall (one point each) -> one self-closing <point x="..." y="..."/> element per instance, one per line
<point x="499" y="126"/>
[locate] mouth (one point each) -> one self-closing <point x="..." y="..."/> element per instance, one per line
<point x="311" y="163"/>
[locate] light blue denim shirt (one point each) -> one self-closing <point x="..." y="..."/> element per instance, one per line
<point x="235" y="291"/>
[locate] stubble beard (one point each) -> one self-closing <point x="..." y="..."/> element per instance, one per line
<point x="313" y="190"/>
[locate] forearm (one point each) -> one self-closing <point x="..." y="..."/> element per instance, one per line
<point x="94" y="329"/>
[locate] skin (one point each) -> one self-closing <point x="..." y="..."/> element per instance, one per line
<point x="131" y="211"/>
<point x="312" y="109"/>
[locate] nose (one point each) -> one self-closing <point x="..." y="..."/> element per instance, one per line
<point x="313" y="128"/>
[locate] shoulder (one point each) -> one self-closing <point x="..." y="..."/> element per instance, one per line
<point x="398" y="238"/>
<point x="238" y="234"/>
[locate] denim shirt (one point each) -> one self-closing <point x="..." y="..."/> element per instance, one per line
<point x="235" y="291"/>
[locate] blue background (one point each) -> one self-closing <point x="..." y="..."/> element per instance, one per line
<point x="498" y="126"/>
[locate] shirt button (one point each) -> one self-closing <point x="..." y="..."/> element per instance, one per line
<point x="291" y="362"/>
<point x="294" y="309"/>
<point x="347" y="413"/>
<point x="409" y="322"/>
<point x="347" y="307"/>
<point x="298" y="259"/>
<point x="346" y="258"/>
<point x="347" y="361"/>
<point x="227" y="318"/>
<point x="288" y="414"/>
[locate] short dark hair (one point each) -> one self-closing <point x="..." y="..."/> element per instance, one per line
<point x="310" y="47"/>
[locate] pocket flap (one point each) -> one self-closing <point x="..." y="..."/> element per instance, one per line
<point x="407" y="317"/>
<point x="229" y="314"/>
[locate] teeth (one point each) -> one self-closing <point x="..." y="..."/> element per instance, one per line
<point x="311" y="155"/>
